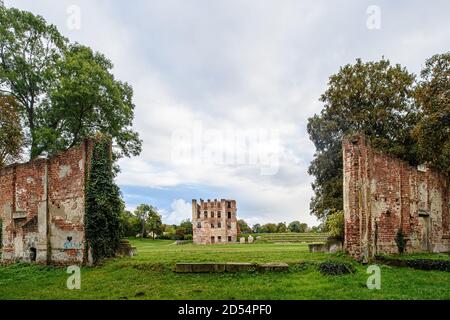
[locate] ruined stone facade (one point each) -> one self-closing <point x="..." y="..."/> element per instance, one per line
<point x="214" y="221"/>
<point x="42" y="208"/>
<point x="383" y="194"/>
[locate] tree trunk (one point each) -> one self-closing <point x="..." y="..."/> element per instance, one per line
<point x="33" y="151"/>
<point x="143" y="228"/>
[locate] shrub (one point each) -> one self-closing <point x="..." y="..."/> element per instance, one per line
<point x="429" y="264"/>
<point x="334" y="268"/>
<point x="335" y="224"/>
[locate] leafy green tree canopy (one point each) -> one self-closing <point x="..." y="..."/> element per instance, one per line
<point x="294" y="226"/>
<point x="11" y="135"/>
<point x="373" y="98"/>
<point x="433" y="97"/>
<point x="66" y="92"/>
<point x="335" y="224"/>
<point x="244" y="227"/>
<point x="281" y="227"/>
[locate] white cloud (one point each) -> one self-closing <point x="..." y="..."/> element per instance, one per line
<point x="179" y="210"/>
<point x="241" y="65"/>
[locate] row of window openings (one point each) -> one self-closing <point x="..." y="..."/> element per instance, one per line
<point x="218" y="204"/>
<point x="219" y="225"/>
<point x="219" y="214"/>
<point x="219" y="239"/>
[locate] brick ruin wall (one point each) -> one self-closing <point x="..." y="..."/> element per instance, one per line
<point x="42" y="207"/>
<point x="228" y="226"/>
<point x="383" y="194"/>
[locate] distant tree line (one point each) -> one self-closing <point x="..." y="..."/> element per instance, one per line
<point x="281" y="227"/>
<point x="146" y="222"/>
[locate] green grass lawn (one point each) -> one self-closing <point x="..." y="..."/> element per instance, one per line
<point x="150" y="276"/>
<point x="306" y="237"/>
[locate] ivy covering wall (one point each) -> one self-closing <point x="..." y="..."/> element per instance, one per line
<point x="103" y="203"/>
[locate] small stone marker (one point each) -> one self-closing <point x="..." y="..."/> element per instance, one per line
<point x="258" y="238"/>
<point x="242" y="240"/>
<point x="250" y="239"/>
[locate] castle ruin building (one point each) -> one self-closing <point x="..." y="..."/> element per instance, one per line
<point x="214" y="221"/>
<point x="42" y="208"/>
<point x="383" y="195"/>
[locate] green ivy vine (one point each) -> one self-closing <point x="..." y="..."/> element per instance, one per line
<point x="103" y="203"/>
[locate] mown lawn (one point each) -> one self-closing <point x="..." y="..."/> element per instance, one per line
<point x="150" y="276"/>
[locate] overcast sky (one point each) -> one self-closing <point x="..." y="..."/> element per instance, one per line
<point x="205" y="71"/>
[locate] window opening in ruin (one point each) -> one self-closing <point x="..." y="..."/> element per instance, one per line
<point x="229" y="204"/>
<point x="212" y="214"/>
<point x="219" y="239"/>
<point x="219" y="214"/>
<point x="206" y="214"/>
<point x="198" y="215"/>
<point x="219" y="225"/>
<point x="229" y="238"/>
<point x="229" y="215"/>
<point x="32" y="254"/>
<point x="212" y="225"/>
<point x="212" y="239"/>
<point x="199" y="225"/>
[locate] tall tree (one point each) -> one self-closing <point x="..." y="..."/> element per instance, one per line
<point x="29" y="51"/>
<point x="294" y="226"/>
<point x="88" y="99"/>
<point x="303" y="227"/>
<point x="154" y="223"/>
<point x="187" y="225"/>
<point x="256" y="228"/>
<point x="11" y="136"/>
<point x="243" y="226"/>
<point x="268" y="228"/>
<point x="373" y="98"/>
<point x="281" y="227"/>
<point x="143" y="212"/>
<point x="433" y="97"/>
<point x="65" y="92"/>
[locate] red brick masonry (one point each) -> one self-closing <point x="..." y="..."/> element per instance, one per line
<point x="383" y="194"/>
<point x="42" y="208"/>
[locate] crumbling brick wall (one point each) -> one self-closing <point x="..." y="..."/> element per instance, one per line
<point x="383" y="194"/>
<point x="214" y="221"/>
<point x="42" y="208"/>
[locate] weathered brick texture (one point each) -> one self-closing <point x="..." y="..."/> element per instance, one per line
<point x="383" y="194"/>
<point x="42" y="208"/>
<point x="214" y="221"/>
